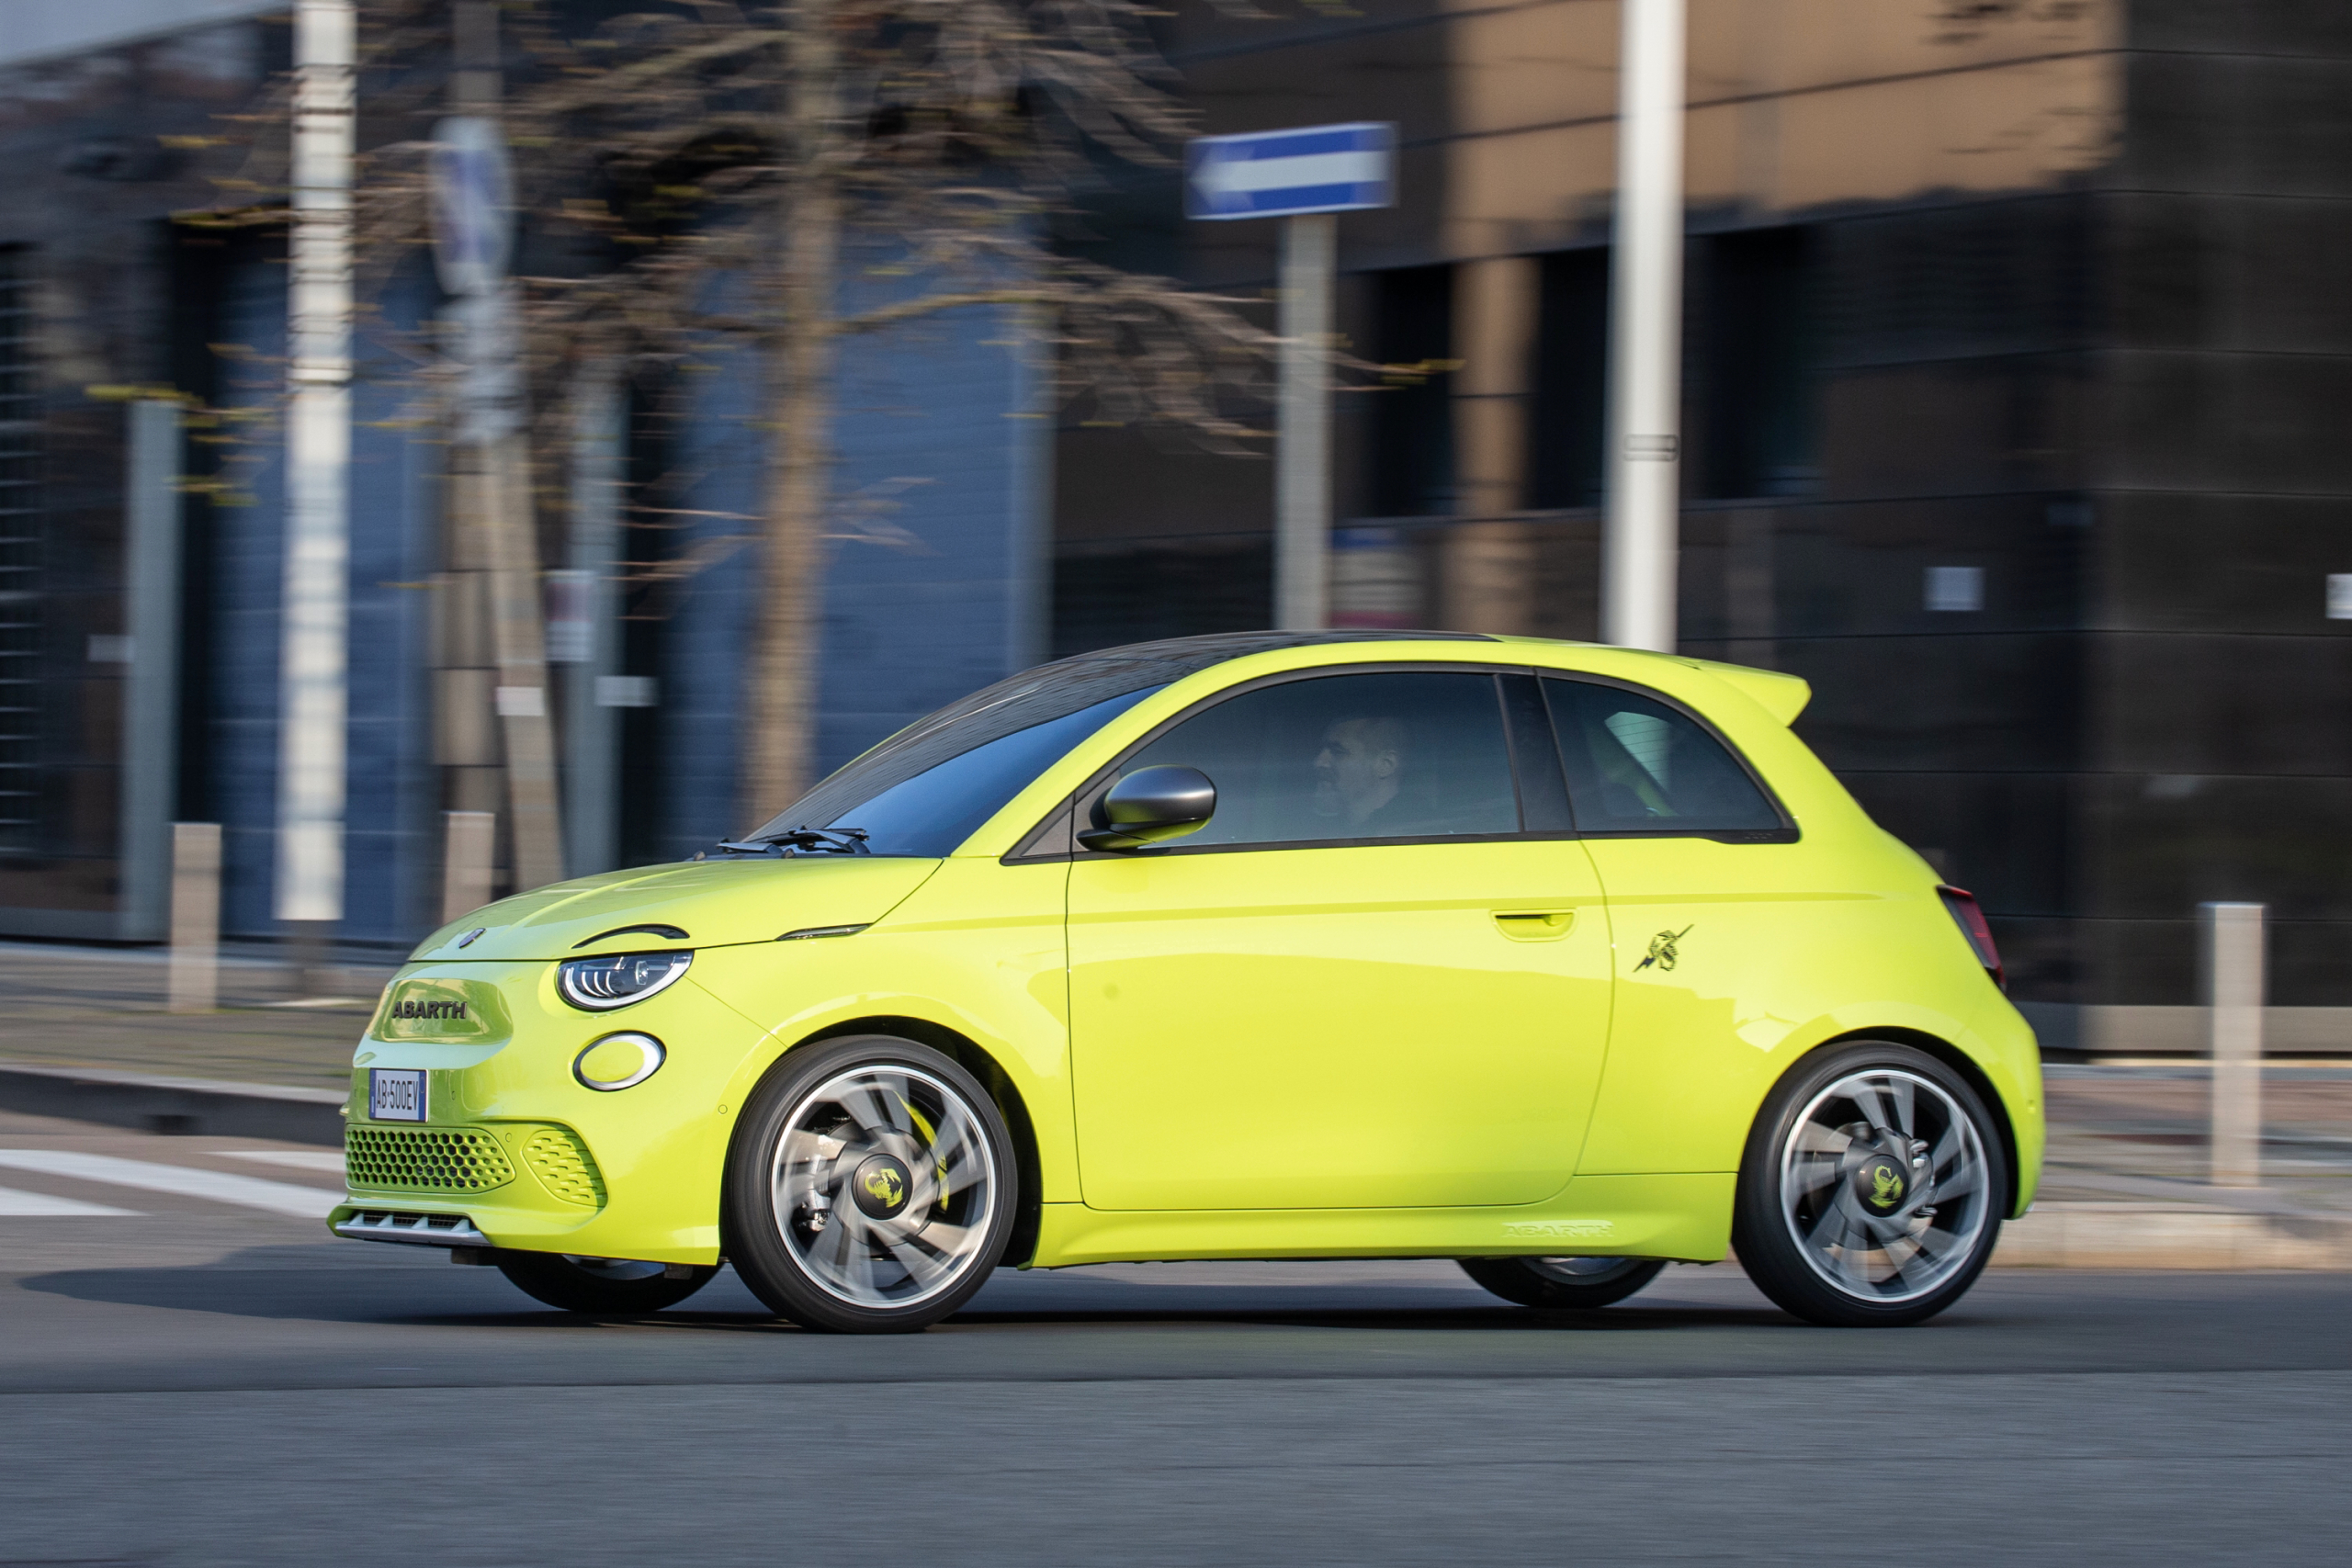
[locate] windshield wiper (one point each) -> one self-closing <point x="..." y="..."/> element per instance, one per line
<point x="801" y="840"/>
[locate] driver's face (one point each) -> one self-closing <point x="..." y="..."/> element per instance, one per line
<point x="1354" y="776"/>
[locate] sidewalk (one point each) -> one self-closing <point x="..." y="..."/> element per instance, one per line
<point x="103" y="1008"/>
<point x="2124" y="1183"/>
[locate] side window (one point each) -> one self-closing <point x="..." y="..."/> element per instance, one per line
<point x="1635" y="765"/>
<point x="1370" y="756"/>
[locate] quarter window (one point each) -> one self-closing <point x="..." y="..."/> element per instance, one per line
<point x="1635" y="765"/>
<point x="1378" y="756"/>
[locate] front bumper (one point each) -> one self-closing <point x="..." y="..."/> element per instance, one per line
<point x="518" y="1151"/>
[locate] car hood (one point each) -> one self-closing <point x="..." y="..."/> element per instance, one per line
<point x="717" y="903"/>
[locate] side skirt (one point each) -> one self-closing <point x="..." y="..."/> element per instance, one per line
<point x="1687" y="1217"/>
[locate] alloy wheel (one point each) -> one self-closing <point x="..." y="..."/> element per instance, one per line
<point x="1882" y="1185"/>
<point x="884" y="1185"/>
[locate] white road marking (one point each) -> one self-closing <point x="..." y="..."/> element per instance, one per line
<point x="247" y="1191"/>
<point x="300" y="1159"/>
<point x="15" y="1204"/>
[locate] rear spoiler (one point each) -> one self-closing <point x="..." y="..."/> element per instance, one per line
<point x="1783" y="696"/>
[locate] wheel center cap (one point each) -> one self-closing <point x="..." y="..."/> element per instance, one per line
<point x="1882" y="1182"/>
<point x="879" y="1188"/>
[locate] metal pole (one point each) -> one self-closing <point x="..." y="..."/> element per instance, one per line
<point x="311" y="755"/>
<point x="1638" y="540"/>
<point x="469" y="839"/>
<point x="592" y="731"/>
<point x="1303" y="440"/>
<point x="150" y="705"/>
<point x="2234" y="999"/>
<point x="195" y="973"/>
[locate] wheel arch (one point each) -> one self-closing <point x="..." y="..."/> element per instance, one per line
<point x="1951" y="1056"/>
<point x="975" y="1059"/>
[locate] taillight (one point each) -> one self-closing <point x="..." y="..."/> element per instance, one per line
<point x="1970" y="920"/>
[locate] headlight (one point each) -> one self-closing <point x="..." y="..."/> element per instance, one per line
<point x="600" y="985"/>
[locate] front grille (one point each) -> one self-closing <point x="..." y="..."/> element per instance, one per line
<point x="564" y="1166"/>
<point x="425" y="1159"/>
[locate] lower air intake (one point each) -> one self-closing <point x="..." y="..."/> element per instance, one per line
<point x="425" y="1159"/>
<point x="564" y="1166"/>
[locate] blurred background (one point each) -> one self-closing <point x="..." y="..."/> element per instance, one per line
<point x="2017" y="355"/>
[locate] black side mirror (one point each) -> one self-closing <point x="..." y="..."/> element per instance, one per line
<point x="1151" y="806"/>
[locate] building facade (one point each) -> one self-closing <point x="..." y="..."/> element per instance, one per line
<point x="2015" y="355"/>
<point x="142" y="526"/>
<point x="2015" y="345"/>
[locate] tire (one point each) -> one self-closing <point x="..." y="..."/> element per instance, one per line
<point x="611" y="1287"/>
<point x="1563" y="1285"/>
<point x="1872" y="1188"/>
<point x="871" y="1187"/>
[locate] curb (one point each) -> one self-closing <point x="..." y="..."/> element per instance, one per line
<point x="174" y="1105"/>
<point x="2172" y="1236"/>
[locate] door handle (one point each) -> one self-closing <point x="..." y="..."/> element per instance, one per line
<point x="1534" y="925"/>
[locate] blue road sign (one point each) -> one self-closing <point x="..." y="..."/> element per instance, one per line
<point x="1279" y="173"/>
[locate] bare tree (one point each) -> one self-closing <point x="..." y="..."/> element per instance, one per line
<point x="832" y="168"/>
<point x="788" y="176"/>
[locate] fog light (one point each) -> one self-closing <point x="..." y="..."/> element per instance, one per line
<point x="618" y="1061"/>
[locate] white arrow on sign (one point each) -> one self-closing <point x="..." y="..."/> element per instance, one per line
<point x="1277" y="174"/>
<point x="1232" y="176"/>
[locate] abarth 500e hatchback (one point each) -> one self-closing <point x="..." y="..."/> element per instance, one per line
<point x="1559" y="960"/>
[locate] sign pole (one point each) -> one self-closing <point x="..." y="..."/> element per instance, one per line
<point x="1303" y="176"/>
<point x="1302" y="433"/>
<point x="1639" y="546"/>
<point x="490" y="492"/>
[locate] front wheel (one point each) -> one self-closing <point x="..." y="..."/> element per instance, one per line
<point x="1873" y="1189"/>
<point x="612" y="1287"/>
<point x="871" y="1187"/>
<point x="1563" y="1285"/>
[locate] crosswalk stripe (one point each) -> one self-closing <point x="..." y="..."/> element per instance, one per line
<point x="300" y="1159"/>
<point x="247" y="1191"/>
<point x="16" y="1204"/>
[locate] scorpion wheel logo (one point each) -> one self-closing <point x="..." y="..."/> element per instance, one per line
<point x="880" y="1187"/>
<point x="1886" y="1184"/>
<point x="1662" y="950"/>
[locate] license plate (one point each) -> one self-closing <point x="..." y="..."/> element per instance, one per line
<point x="395" y="1094"/>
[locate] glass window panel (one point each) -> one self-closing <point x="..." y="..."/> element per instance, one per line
<point x="1350" y="757"/>
<point x="938" y="809"/>
<point x="1635" y="765"/>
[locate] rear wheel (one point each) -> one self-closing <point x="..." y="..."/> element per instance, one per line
<point x="616" y="1287"/>
<point x="1569" y="1284"/>
<point x="1873" y="1189"/>
<point x="871" y="1187"/>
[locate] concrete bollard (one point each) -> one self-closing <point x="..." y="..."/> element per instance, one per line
<point x="468" y="840"/>
<point x="2233" y="998"/>
<point x="195" y="980"/>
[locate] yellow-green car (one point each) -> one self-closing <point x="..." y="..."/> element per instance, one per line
<point x="1560" y="960"/>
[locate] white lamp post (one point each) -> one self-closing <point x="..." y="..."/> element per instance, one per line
<point x="311" y="668"/>
<point x="1639" y="533"/>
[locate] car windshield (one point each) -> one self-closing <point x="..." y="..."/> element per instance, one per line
<point x="927" y="788"/>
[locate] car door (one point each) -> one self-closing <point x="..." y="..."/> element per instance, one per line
<point x="1366" y="982"/>
<point x="1723" y="916"/>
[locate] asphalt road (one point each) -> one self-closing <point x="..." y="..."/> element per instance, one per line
<point x="197" y="1377"/>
